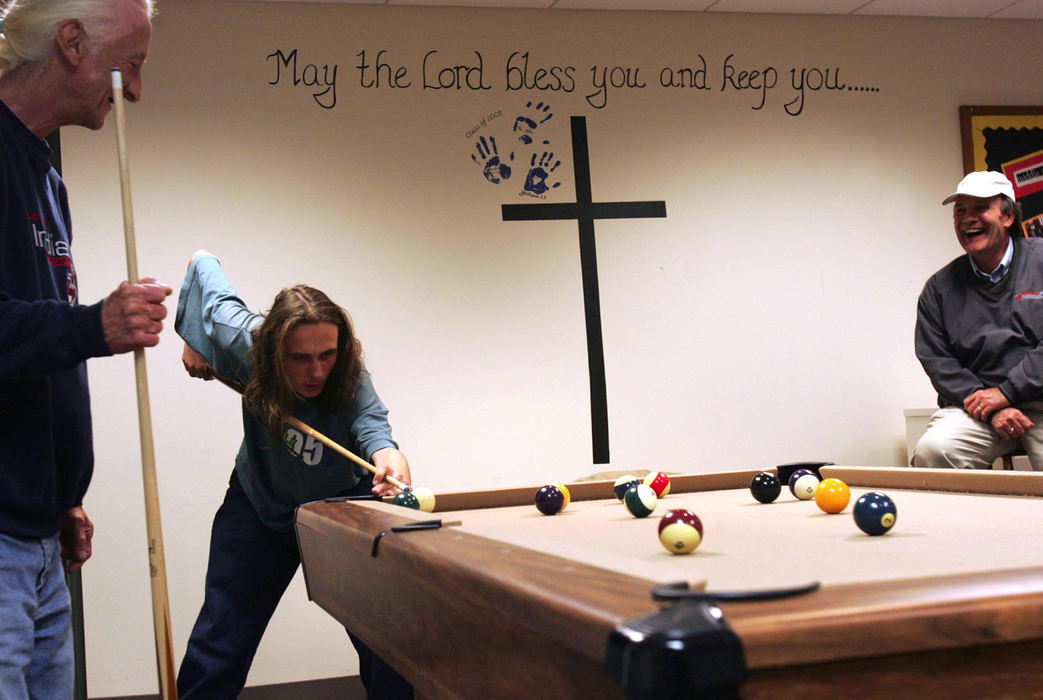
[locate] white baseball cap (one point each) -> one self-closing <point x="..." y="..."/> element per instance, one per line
<point x="982" y="184"/>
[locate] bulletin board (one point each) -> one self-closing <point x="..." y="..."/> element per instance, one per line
<point x="1008" y="140"/>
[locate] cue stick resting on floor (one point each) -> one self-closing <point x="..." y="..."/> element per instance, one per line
<point x="157" y="561"/>
<point x="324" y="439"/>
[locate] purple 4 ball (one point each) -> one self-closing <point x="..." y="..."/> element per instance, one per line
<point x="549" y="499"/>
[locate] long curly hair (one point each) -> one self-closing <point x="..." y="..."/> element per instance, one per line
<point x="268" y="395"/>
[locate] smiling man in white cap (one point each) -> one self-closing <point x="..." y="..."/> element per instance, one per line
<point x="979" y="334"/>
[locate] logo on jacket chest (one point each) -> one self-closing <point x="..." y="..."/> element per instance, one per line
<point x="59" y="256"/>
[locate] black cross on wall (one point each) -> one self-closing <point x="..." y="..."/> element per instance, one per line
<point x="584" y="210"/>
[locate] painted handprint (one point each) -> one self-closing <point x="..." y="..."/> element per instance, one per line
<point x="488" y="159"/>
<point x="536" y="180"/>
<point x="527" y="123"/>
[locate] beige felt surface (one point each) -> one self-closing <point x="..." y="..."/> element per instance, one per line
<point x="750" y="545"/>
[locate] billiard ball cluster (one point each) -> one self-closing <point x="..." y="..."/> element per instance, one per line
<point x="680" y="530"/>
<point x="874" y="513"/>
<point x="552" y="498"/>
<point x="417" y="499"/>
<point x="641" y="496"/>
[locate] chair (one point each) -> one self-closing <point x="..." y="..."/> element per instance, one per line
<point x="1007" y="460"/>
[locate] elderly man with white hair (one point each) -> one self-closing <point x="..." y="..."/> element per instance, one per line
<point x="56" y="58"/>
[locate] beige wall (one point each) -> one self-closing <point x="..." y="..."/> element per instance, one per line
<point x="767" y="319"/>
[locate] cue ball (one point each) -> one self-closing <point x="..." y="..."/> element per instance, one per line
<point x="875" y="513"/>
<point x="680" y="531"/>
<point x="832" y="495"/>
<point x="426" y="498"/>
<point x="550" y="499"/>
<point x="407" y="499"/>
<point x="658" y="482"/>
<point x="765" y="487"/>
<point x="623" y="483"/>
<point x="640" y="500"/>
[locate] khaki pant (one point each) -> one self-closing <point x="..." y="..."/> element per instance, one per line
<point x="955" y="440"/>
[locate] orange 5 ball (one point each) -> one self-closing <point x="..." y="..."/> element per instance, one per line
<point x="832" y="495"/>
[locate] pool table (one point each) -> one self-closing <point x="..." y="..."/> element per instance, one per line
<point x="498" y="600"/>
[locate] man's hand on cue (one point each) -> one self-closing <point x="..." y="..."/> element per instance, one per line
<point x="132" y="315"/>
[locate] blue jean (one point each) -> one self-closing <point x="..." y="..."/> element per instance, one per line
<point x="249" y="569"/>
<point x="36" y="653"/>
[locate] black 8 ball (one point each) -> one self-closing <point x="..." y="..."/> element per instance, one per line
<point x="765" y="487"/>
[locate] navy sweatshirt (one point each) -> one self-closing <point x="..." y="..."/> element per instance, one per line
<point x="46" y="452"/>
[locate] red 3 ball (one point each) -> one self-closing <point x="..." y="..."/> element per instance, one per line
<point x="658" y="482"/>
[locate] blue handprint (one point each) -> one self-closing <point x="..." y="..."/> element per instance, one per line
<point x="527" y="124"/>
<point x="536" y="180"/>
<point x="488" y="159"/>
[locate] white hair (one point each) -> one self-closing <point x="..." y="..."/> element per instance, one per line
<point x="27" y="27"/>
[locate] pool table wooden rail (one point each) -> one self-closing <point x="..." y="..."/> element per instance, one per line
<point x="460" y="605"/>
<point x="474" y="617"/>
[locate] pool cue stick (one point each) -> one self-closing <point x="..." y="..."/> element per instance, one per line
<point x="323" y="439"/>
<point x="157" y="562"/>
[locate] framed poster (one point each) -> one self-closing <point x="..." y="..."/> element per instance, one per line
<point x="1008" y="140"/>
